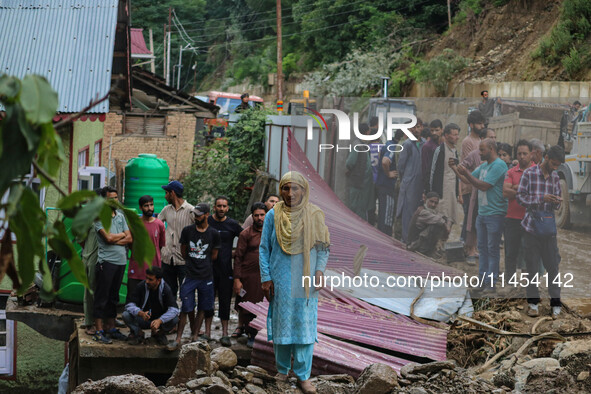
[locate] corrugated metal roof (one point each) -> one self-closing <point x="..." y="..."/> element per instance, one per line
<point x="138" y="43"/>
<point x="365" y="324"/>
<point x="70" y="42"/>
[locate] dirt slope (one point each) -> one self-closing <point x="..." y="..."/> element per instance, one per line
<point x="500" y="41"/>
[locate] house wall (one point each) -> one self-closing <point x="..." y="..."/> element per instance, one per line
<point x="86" y="134"/>
<point x="51" y="194"/>
<point x="176" y="147"/>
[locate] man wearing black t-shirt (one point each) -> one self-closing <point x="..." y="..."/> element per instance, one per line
<point x="222" y="266"/>
<point x="200" y="245"/>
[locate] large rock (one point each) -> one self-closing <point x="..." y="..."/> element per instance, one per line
<point x="218" y="389"/>
<point x="425" y="369"/>
<point x="568" y="349"/>
<point x="123" y="384"/>
<point x="334" y="384"/>
<point x="224" y="357"/>
<point x="376" y="379"/>
<point x="252" y="389"/>
<point x="202" y="383"/>
<point x="522" y="371"/>
<point x="193" y="357"/>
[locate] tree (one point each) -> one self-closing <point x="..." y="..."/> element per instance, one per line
<point x="28" y="138"/>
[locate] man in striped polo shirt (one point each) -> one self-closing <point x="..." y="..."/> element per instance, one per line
<point x="177" y="215"/>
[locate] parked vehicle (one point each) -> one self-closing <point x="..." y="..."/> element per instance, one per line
<point x="575" y="179"/>
<point x="229" y="101"/>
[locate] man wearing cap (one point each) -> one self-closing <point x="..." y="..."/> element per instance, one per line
<point x="177" y="215"/>
<point x="200" y="245"/>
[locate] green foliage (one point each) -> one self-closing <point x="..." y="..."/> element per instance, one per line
<point x="229" y="166"/>
<point x="500" y="3"/>
<point x="574" y="63"/>
<point x="566" y="42"/>
<point x="290" y="65"/>
<point x="237" y="39"/>
<point x="30" y="105"/>
<point x="440" y="70"/>
<point x="467" y="7"/>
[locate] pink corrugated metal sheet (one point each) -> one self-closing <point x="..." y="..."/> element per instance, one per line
<point x="331" y="356"/>
<point x="138" y="43"/>
<point x="359" y="322"/>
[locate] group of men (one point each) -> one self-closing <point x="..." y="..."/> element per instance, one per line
<point x="425" y="183"/>
<point x="193" y="260"/>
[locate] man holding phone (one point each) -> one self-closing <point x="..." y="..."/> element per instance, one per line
<point x="152" y="305"/>
<point x="539" y="192"/>
<point x="442" y="179"/>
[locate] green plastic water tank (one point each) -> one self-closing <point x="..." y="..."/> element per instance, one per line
<point x="146" y="174"/>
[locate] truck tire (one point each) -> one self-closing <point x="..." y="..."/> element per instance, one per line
<point x="563" y="213"/>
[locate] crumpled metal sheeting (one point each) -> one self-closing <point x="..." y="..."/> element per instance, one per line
<point x="378" y="329"/>
<point x="348" y="231"/>
<point x="331" y="356"/>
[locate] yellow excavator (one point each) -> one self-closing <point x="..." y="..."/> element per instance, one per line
<point x="298" y="106"/>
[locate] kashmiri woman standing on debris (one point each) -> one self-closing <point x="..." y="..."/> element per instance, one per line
<point x="294" y="245"/>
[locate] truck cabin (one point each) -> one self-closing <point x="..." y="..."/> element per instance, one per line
<point x="229" y="101"/>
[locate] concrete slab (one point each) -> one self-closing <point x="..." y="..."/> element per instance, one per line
<point x="50" y="322"/>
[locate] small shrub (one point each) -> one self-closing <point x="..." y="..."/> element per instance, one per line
<point x="573" y="63"/>
<point x="440" y="70"/>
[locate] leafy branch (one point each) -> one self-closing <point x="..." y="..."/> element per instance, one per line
<point x="28" y="138"/>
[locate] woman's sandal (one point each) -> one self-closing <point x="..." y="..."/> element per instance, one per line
<point x="307" y="387"/>
<point x="238" y="332"/>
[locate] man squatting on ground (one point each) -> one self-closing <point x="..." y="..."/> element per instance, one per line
<point x="152" y="305"/>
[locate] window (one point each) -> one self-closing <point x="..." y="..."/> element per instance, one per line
<point x="7" y="341"/>
<point x="98" y="150"/>
<point x="146" y="124"/>
<point x="83" y="157"/>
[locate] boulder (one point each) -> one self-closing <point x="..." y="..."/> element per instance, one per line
<point x="192" y="357"/>
<point x="252" y="389"/>
<point x="583" y="376"/>
<point x="224" y="357"/>
<point x="568" y="349"/>
<point x="122" y="384"/>
<point x="257" y="370"/>
<point x="376" y="379"/>
<point x="202" y="383"/>
<point x="223" y="377"/>
<point x="341" y="378"/>
<point x="218" y="389"/>
<point x="426" y="369"/>
<point x="522" y="371"/>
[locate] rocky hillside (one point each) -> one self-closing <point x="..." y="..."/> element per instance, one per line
<point x="502" y="42"/>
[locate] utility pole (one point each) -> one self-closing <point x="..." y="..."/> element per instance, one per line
<point x="279" y="55"/>
<point x="195" y="78"/>
<point x="449" y="13"/>
<point x="164" y="52"/>
<point x="168" y="48"/>
<point x="153" y="62"/>
<point x="178" y="71"/>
